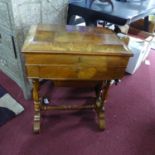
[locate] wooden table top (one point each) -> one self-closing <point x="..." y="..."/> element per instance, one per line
<point x="68" y="40"/>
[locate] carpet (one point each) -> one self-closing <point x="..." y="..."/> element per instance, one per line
<point x="9" y="107"/>
<point x="129" y="114"/>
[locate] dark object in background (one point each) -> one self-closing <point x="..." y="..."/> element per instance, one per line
<point x="139" y="24"/>
<point x="103" y="1"/>
<point x="122" y="0"/>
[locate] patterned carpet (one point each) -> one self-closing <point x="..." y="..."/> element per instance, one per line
<point x="9" y="107"/>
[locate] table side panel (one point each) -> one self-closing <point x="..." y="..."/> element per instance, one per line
<point x="62" y="59"/>
<point x="69" y="67"/>
<point x="74" y="72"/>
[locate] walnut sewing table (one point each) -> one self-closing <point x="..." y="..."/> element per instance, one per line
<point x="73" y="55"/>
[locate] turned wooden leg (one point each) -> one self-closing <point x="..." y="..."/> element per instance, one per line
<point x="36" y="124"/>
<point x="101" y="98"/>
<point x="98" y="89"/>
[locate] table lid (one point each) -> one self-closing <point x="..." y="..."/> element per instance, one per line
<point x="73" y="40"/>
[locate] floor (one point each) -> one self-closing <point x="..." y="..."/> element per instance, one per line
<point x="129" y="114"/>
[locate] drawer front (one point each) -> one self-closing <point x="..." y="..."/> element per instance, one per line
<point x="60" y="59"/>
<point x="75" y="67"/>
<point x="74" y="72"/>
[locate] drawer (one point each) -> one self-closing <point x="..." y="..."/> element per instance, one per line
<point x="74" y="72"/>
<point x="60" y="59"/>
<point x="5" y="16"/>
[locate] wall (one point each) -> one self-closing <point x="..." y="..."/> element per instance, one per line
<point x="28" y="12"/>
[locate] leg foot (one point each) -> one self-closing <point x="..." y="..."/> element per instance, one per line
<point x="101" y="99"/>
<point x="36" y="124"/>
<point x="101" y="120"/>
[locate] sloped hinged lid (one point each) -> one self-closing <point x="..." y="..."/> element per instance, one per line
<point x="73" y="40"/>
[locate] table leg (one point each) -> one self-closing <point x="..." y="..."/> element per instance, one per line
<point x="36" y="125"/>
<point x="101" y="94"/>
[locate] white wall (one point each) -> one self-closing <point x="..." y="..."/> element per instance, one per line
<point x="28" y="12"/>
